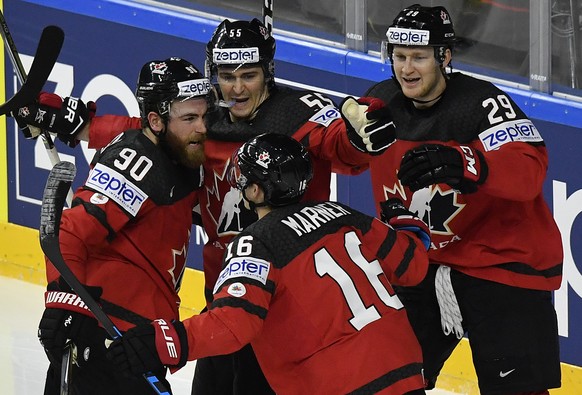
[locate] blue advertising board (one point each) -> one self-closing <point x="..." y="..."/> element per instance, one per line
<point x="107" y="42"/>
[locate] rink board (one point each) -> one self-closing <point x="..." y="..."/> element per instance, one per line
<point x="106" y="43"/>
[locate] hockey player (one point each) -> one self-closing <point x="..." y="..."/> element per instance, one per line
<point x="470" y="163"/>
<point x="252" y="104"/>
<point x="126" y="234"/>
<point x="308" y="285"/>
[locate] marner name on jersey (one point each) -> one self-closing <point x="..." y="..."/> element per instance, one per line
<point x="310" y="218"/>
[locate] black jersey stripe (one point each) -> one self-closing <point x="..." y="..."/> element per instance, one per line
<point x="389" y="379"/>
<point x="244" y="304"/>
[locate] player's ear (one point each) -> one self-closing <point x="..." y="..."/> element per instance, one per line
<point x="448" y="57"/>
<point x="255" y="193"/>
<point x="155" y="122"/>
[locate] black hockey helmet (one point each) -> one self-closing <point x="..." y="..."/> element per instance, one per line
<point x="417" y="25"/>
<point x="278" y="163"/>
<point x="160" y="82"/>
<point x="241" y="43"/>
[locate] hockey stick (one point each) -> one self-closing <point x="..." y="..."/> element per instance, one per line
<point x="45" y="57"/>
<point x="47" y="52"/>
<point x="268" y="15"/>
<point x="58" y="183"/>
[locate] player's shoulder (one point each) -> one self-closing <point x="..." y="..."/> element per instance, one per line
<point x="466" y="87"/>
<point x="385" y="90"/>
<point x="285" y="97"/>
<point x="289" y="231"/>
<point x="132" y="169"/>
<point x="129" y="141"/>
<point x="134" y="156"/>
<point x="287" y="110"/>
<point x="478" y="96"/>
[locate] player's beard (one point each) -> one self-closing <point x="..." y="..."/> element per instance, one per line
<point x="188" y="155"/>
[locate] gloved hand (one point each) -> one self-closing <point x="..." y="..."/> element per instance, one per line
<point x="65" y="118"/>
<point x="368" y="123"/>
<point x="66" y="317"/>
<point x="150" y="347"/>
<point x="395" y="214"/>
<point x="462" y="167"/>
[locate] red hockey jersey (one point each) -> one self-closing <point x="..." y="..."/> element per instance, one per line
<point x="129" y="228"/>
<point x="309" y="117"/>
<point x="309" y="286"/>
<point x="505" y="231"/>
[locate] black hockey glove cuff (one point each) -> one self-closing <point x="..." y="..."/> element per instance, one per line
<point x="66" y="318"/>
<point x="395" y="214"/>
<point x="368" y="123"/>
<point x="461" y="167"/>
<point x="150" y="347"/>
<point x="65" y="118"/>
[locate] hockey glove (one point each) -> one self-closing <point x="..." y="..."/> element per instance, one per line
<point x="150" y="347"/>
<point x="368" y="123"/>
<point x="400" y="218"/>
<point x="462" y="167"/>
<point x="65" y="118"/>
<point x="67" y="318"/>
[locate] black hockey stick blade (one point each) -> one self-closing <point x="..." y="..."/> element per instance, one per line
<point x="47" y="52"/>
<point x="53" y="200"/>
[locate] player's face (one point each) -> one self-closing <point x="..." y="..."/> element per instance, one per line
<point x="187" y="131"/>
<point x="244" y="89"/>
<point x="418" y="73"/>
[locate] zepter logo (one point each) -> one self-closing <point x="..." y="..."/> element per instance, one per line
<point x="199" y="87"/>
<point x="400" y="36"/>
<point x="235" y="55"/>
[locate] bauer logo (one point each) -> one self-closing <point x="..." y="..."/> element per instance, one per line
<point x="235" y="55"/>
<point x="191" y="88"/>
<point x="114" y="185"/>
<point x="399" y="36"/>
<point x="522" y="130"/>
<point x="252" y="268"/>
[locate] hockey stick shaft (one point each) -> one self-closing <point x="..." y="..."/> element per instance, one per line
<point x="51" y="151"/>
<point x="12" y="51"/>
<point x="49" y="46"/>
<point x="58" y="183"/>
<point x="268" y="15"/>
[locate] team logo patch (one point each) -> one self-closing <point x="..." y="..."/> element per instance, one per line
<point x="158" y="68"/>
<point x="264" y="159"/>
<point x="251" y="268"/>
<point x="522" y="130"/>
<point x="23" y="112"/>
<point x="237" y="290"/>
<point x="116" y="187"/>
<point x="445" y="18"/>
<point x="99" y="198"/>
